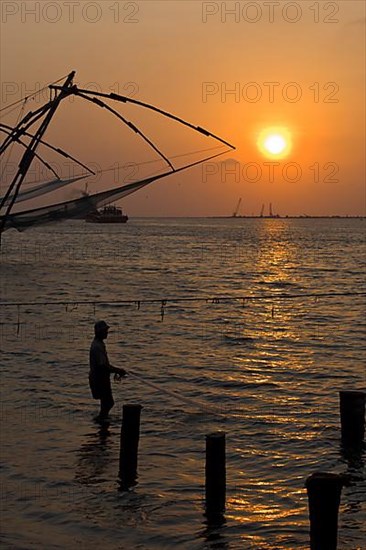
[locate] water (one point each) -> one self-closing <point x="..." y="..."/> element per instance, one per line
<point x="271" y="368"/>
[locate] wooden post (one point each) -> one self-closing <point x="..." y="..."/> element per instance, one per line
<point x="324" y="494"/>
<point x="352" y="409"/>
<point x="130" y="433"/>
<point x="215" y="476"/>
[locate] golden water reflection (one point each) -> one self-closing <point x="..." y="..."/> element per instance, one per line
<point x="273" y="345"/>
<point x="278" y="254"/>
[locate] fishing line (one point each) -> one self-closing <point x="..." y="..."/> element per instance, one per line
<point x="187" y="400"/>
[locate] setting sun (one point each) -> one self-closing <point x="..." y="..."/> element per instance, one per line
<point x="274" y="142"/>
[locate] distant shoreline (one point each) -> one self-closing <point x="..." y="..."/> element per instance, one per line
<point x="245" y="217"/>
<point x="290" y="217"/>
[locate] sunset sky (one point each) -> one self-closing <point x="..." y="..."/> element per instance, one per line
<point x="238" y="69"/>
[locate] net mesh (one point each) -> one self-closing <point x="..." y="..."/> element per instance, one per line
<point x="75" y="208"/>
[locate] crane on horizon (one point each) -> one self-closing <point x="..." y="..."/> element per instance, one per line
<point x="236" y="211"/>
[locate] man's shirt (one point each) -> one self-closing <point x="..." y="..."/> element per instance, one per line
<point x="98" y="360"/>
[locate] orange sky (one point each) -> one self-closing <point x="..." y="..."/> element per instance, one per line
<point x="186" y="57"/>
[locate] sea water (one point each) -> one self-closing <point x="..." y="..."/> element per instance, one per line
<point x="264" y="366"/>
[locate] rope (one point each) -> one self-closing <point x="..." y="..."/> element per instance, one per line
<point x="21" y="112"/>
<point x="32" y="95"/>
<point x="131" y="163"/>
<point x="165" y="301"/>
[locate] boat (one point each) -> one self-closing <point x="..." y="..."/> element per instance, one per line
<point x="108" y="214"/>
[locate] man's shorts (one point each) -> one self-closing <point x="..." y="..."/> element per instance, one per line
<point x="100" y="388"/>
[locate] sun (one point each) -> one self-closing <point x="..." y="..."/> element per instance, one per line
<point x="275" y="142"/>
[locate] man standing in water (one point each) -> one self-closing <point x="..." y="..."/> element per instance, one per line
<point x="101" y="369"/>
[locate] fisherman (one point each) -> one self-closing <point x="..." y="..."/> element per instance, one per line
<point x="101" y="369"/>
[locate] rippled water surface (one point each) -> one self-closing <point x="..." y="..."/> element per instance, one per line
<point x="265" y="371"/>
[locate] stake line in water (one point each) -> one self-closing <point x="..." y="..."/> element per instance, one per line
<point x="166" y="301"/>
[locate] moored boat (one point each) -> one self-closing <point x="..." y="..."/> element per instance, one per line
<point x="108" y="214"/>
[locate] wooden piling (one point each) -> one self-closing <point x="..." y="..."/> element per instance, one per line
<point x="324" y="495"/>
<point x="215" y="476"/>
<point x="352" y="411"/>
<point x="130" y="433"/>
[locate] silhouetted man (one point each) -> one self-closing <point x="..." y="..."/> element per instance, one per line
<point x="101" y="369"/>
